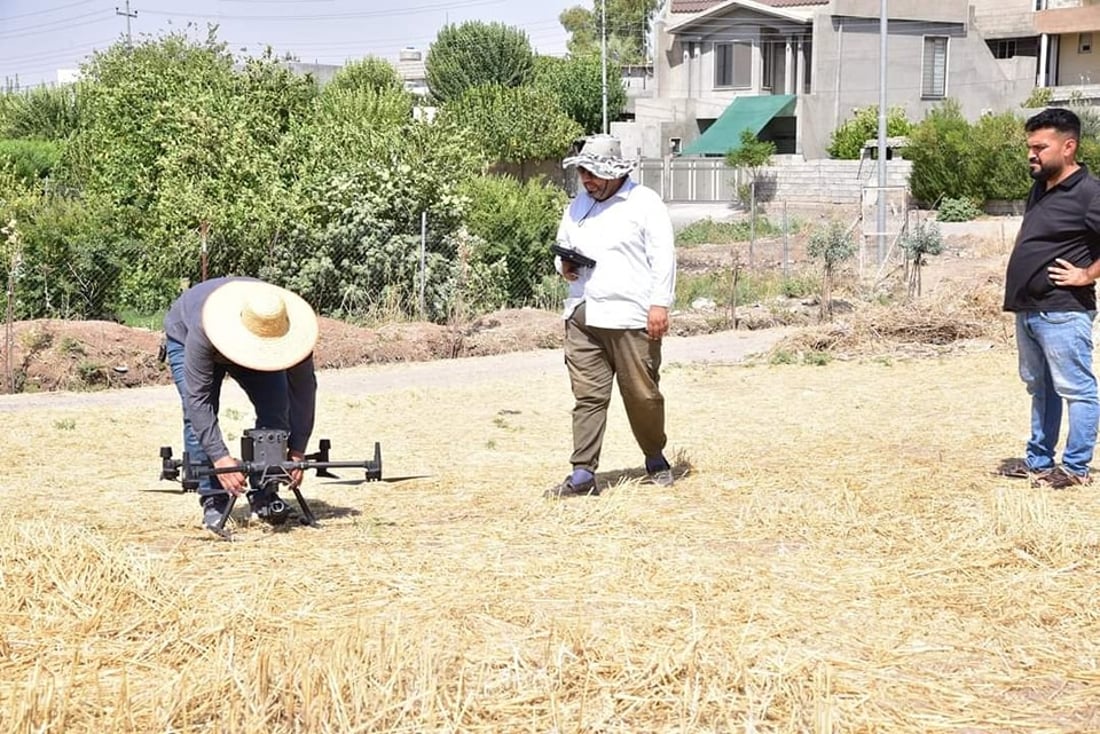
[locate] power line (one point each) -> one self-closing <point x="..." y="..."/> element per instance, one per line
<point x="129" y="15"/>
<point x="46" y="11"/>
<point x="411" y="10"/>
<point x="53" y="26"/>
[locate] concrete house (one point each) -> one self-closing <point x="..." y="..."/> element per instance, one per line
<point x="794" y="70"/>
<point x="1069" y="62"/>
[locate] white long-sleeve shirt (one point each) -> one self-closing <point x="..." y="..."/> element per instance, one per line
<point x="630" y="237"/>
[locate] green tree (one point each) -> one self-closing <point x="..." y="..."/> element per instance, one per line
<point x="918" y="242"/>
<point x="832" y="245"/>
<point x="370" y="73"/>
<point x="577" y="82"/>
<point x="848" y="139"/>
<point x="628" y="25"/>
<point x="751" y="155"/>
<point x="184" y="149"/>
<point x="515" y="124"/>
<point x="475" y="54"/>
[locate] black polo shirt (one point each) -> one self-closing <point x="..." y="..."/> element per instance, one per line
<point x="1063" y="222"/>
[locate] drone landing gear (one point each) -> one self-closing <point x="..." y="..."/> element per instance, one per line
<point x="263" y="459"/>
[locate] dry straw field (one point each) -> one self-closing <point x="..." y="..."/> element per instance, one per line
<point x="840" y="558"/>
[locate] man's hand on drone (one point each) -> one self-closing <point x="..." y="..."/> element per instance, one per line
<point x="233" y="482"/>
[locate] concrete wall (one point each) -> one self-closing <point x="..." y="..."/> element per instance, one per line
<point x="1004" y="18"/>
<point x="940" y="11"/>
<point x="827" y="181"/>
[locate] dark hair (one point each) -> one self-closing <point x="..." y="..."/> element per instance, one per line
<point x="1064" y="121"/>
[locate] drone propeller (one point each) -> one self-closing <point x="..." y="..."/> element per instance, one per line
<point x="383" y="480"/>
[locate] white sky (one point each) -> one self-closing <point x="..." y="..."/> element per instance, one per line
<point x="40" y="37"/>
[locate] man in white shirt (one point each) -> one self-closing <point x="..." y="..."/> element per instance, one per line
<point x="617" y="310"/>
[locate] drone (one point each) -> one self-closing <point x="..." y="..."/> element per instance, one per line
<point x="263" y="459"/>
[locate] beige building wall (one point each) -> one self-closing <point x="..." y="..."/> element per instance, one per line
<point x="1076" y="65"/>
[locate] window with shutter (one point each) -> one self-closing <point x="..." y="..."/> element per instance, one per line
<point x="733" y="64"/>
<point x="934" y="68"/>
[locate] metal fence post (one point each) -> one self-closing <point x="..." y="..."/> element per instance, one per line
<point x="423" y="263"/>
<point x="786" y="244"/>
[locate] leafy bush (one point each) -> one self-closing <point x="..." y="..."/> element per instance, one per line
<point x="848" y="139"/>
<point x="71" y="261"/>
<point x="516" y="223"/>
<point x="30" y="159"/>
<point x="354" y="246"/>
<point x="998" y="157"/>
<point x="957" y="210"/>
<point x="941" y="153"/>
<point x="1039" y="97"/>
<point x="709" y="232"/>
<point x="42" y="113"/>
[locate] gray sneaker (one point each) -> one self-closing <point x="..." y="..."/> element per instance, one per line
<point x="214" y="508"/>
<point x="568" y="489"/>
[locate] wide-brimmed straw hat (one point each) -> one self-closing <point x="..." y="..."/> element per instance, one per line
<point x="602" y="156"/>
<point x="259" y="325"/>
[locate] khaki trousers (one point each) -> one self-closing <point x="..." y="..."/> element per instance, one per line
<point x="595" y="357"/>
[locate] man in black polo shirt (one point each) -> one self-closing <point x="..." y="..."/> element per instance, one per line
<point x="1049" y="285"/>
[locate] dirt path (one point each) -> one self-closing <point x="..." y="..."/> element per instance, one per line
<point x="722" y="347"/>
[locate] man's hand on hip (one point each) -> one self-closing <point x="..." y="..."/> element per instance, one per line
<point x="1064" y="273"/>
<point x="657" y="322"/>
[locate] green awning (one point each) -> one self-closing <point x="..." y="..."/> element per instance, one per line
<point x="744" y="113"/>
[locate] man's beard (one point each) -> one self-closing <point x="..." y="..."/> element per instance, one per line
<point x="1044" y="172"/>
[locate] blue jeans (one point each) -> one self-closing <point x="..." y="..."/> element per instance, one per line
<point x="1056" y="364"/>
<point x="267" y="391"/>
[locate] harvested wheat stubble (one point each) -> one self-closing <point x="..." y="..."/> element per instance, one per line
<point x="839" y="560"/>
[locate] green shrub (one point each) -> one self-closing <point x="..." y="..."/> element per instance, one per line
<point x="848" y="139"/>
<point x="1039" y="97"/>
<point x="942" y="155"/>
<point x="709" y="232"/>
<point x="957" y="210"/>
<point x="751" y="287"/>
<point x="516" y="223"/>
<point x="998" y="156"/>
<point x="30" y="159"/>
<point x="43" y="113"/>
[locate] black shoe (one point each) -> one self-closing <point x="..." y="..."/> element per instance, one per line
<point x="268" y="506"/>
<point x="568" y="489"/>
<point x="213" y="512"/>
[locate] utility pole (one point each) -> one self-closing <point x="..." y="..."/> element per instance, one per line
<point x="603" y="58"/>
<point x="880" y="223"/>
<point x="129" y="15"/>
